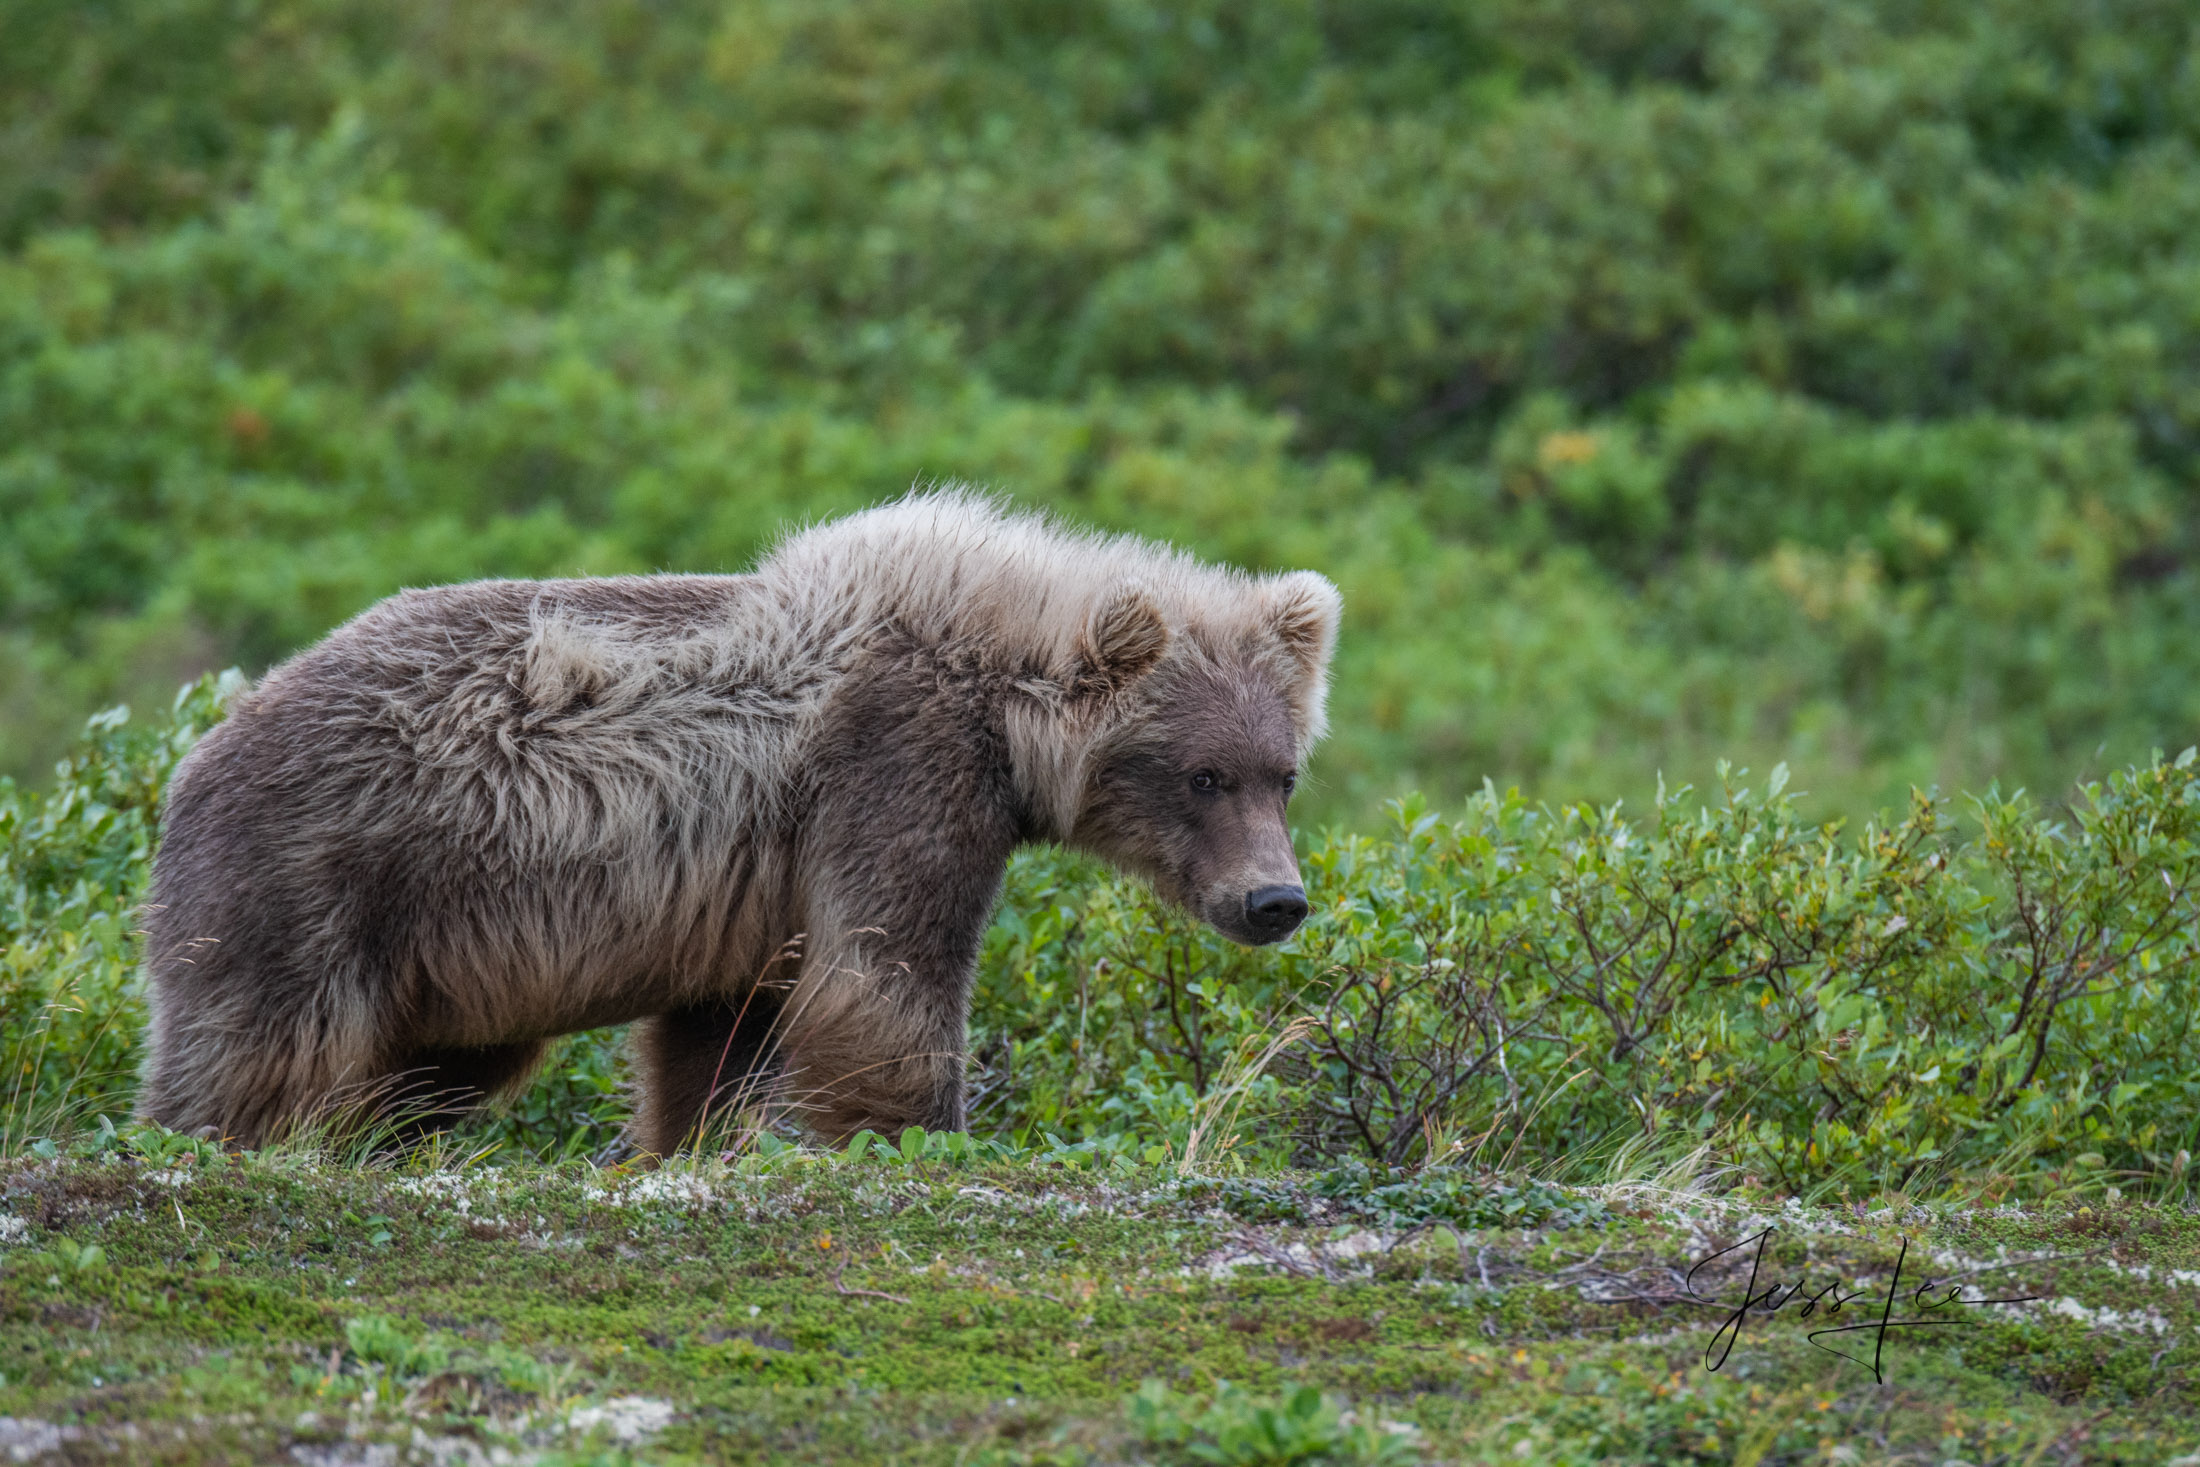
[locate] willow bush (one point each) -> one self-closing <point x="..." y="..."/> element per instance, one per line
<point x="1984" y="991"/>
<point x="1985" y="996"/>
<point x="1987" y="990"/>
<point x="1805" y="381"/>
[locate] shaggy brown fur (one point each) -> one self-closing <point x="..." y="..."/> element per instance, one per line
<point x="767" y="815"/>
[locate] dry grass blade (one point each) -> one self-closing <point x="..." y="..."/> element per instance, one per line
<point x="1216" y="1115"/>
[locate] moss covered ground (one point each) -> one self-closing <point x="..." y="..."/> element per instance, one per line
<point x="803" y="1308"/>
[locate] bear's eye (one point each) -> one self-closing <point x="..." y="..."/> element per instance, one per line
<point x="1290" y="783"/>
<point x="1205" y="782"/>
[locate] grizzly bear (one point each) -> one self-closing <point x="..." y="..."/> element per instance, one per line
<point x="766" y="815"/>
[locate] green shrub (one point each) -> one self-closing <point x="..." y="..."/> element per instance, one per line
<point x="1236" y="1428"/>
<point x="1807" y="384"/>
<point x="73" y="863"/>
<point x="1901" y="1007"/>
<point x="1895" y="1007"/>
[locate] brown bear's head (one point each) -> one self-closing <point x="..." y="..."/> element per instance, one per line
<point x="1197" y="747"/>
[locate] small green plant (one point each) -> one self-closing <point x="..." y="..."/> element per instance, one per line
<point x="79" y="1258"/>
<point x="1234" y="1428"/>
<point x="526" y="1374"/>
<point x="161" y="1147"/>
<point x="380" y="1340"/>
<point x="101" y="1140"/>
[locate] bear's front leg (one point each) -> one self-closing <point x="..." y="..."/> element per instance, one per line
<point x="900" y="862"/>
<point x="873" y="1045"/>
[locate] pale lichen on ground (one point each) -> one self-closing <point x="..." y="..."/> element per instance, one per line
<point x="488" y="1316"/>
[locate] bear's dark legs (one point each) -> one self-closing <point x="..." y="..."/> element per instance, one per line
<point x="433" y="1089"/>
<point x="703" y="1063"/>
<point x="902" y="860"/>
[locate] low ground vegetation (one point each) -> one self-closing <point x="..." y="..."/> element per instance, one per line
<point x="160" y="1301"/>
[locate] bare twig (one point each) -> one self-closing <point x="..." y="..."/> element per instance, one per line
<point x="861" y="1293"/>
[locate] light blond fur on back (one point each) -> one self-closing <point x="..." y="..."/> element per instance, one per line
<point x="955" y="564"/>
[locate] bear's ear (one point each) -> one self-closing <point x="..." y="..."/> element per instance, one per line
<point x="1121" y="643"/>
<point x="1302" y="611"/>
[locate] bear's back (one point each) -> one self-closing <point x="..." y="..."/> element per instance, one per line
<point x="510" y="716"/>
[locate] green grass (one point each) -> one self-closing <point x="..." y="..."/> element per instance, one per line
<point x="198" y="1308"/>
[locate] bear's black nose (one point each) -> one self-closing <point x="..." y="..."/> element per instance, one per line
<point x="1274" y="911"/>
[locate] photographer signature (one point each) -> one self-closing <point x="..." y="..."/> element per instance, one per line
<point x="1831" y="1299"/>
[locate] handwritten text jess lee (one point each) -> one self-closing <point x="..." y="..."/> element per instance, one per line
<point x="1832" y="1299"/>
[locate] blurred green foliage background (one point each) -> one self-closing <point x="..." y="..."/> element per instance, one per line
<point x="1789" y="380"/>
